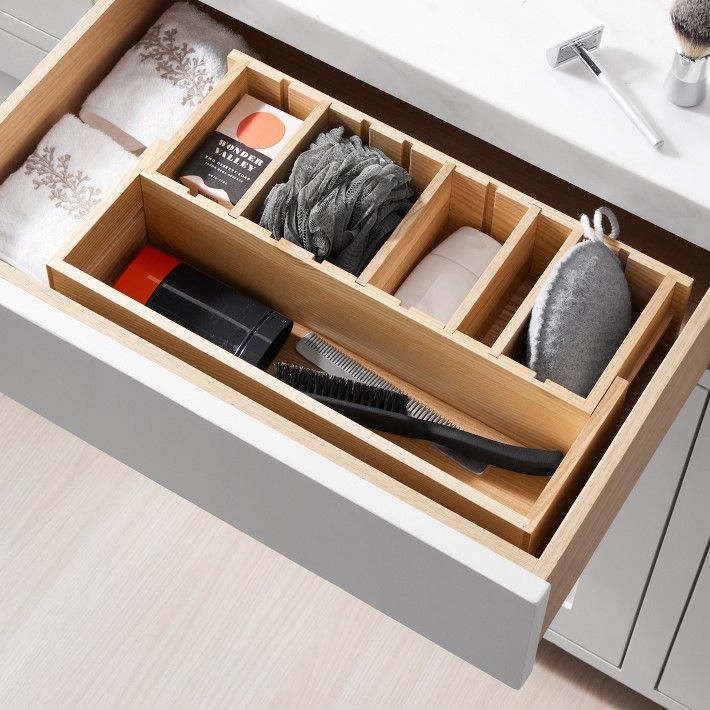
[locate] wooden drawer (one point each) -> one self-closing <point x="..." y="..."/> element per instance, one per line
<point x="476" y="345"/>
<point x="453" y="562"/>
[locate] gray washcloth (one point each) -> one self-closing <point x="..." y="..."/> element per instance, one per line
<point x="341" y="201"/>
<point x="582" y="313"/>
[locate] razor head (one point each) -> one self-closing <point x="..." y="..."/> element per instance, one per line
<point x="563" y="52"/>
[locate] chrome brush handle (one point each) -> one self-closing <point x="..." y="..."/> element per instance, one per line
<point x="687" y="80"/>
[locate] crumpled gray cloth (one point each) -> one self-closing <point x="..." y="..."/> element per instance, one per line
<point x="341" y="201"/>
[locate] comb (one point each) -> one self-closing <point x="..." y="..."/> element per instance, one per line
<point x="327" y="357"/>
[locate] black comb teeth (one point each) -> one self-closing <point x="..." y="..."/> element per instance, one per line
<point x="324" y="385"/>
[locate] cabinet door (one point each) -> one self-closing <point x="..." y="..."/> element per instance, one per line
<point x="686" y="677"/>
<point x="17" y="57"/>
<point x="600" y="614"/>
<point x="54" y="18"/>
<point x="676" y="602"/>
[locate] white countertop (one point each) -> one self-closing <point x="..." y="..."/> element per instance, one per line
<point x="482" y="67"/>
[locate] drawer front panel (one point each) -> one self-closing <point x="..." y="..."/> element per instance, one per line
<point x="451" y="589"/>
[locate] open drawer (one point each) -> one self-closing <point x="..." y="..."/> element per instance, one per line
<point x="455" y="563"/>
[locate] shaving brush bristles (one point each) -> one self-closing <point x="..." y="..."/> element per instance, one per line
<point x="686" y="83"/>
<point x="691" y="22"/>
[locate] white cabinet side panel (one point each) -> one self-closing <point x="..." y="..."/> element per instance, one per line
<point x="610" y="590"/>
<point x="55" y="17"/>
<point x="686" y="677"/>
<point x="676" y="569"/>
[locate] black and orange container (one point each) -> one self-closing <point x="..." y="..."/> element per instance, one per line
<point x="207" y="307"/>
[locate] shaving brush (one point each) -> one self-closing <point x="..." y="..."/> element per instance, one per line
<point x="686" y="84"/>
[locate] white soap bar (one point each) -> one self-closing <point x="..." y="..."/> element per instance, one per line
<point x="470" y="248"/>
<point x="440" y="281"/>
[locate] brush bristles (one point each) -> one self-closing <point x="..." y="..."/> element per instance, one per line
<point x="322" y="384"/>
<point x="691" y="22"/>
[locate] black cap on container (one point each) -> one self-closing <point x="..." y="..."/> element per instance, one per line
<point x="265" y="341"/>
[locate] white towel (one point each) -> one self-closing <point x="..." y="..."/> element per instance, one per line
<point x="44" y="202"/>
<point x="158" y="82"/>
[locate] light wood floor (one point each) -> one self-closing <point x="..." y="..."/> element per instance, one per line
<point x="116" y="593"/>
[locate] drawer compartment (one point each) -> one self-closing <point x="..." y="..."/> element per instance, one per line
<point x="315" y="296"/>
<point x="267" y="85"/>
<point x="464" y="197"/>
<point x="659" y="297"/>
<point x="479" y="564"/>
<point x="449" y="195"/>
<point x="440" y="366"/>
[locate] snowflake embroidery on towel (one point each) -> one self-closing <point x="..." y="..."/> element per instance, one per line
<point x="69" y="191"/>
<point x="174" y="62"/>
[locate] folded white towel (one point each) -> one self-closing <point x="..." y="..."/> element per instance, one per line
<point x="158" y="82"/>
<point x="44" y="202"/>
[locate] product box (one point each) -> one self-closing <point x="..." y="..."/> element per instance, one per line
<point x="232" y="158"/>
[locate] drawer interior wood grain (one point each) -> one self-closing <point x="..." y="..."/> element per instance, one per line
<point x="315" y="298"/>
<point x="439" y="364"/>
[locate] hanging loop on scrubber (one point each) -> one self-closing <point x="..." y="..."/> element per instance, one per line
<point x="597" y="233"/>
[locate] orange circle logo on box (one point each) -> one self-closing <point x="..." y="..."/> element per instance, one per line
<point x="260" y="130"/>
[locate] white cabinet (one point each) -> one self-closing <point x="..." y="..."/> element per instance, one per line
<point x="649" y="626"/>
<point x="686" y="677"/>
<point x="17" y="57"/>
<point x="28" y="30"/>
<point x="52" y="18"/>
<point x="7" y="85"/>
<point x="613" y="583"/>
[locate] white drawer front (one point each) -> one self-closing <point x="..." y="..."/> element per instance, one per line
<point x="443" y="585"/>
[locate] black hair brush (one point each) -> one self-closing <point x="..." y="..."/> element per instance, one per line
<point x="381" y="409"/>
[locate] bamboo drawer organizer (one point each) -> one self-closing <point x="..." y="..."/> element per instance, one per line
<point x="468" y="369"/>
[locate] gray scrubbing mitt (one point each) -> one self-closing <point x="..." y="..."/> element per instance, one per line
<point x="582" y="314"/>
<point x="341" y="201"/>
